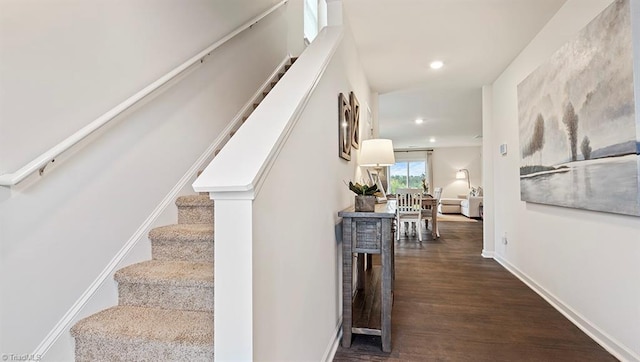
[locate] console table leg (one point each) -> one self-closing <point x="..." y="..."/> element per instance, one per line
<point x="386" y="288"/>
<point x="360" y="267"/>
<point x="347" y="282"/>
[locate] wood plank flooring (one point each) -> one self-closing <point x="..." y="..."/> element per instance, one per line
<point x="450" y="304"/>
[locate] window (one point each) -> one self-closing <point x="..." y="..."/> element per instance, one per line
<point x="407" y="174"/>
<point x="310" y="20"/>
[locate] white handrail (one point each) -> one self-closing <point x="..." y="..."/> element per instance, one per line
<point x="12" y="179"/>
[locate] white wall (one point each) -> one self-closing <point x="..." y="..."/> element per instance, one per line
<point x="584" y="262"/>
<point x="295" y="11"/>
<point x="448" y="160"/>
<point x="65" y="63"/>
<point x="488" y="201"/>
<point x="297" y="259"/>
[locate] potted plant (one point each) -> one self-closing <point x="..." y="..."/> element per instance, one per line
<point x="365" y="196"/>
<point x="425" y="186"/>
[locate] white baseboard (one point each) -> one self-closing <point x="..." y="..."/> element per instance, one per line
<point x="617" y="349"/>
<point x="487" y="254"/>
<point x="65" y="323"/>
<point x="330" y="352"/>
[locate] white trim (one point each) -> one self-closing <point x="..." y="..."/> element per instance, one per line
<point x="12" y="179"/>
<point x="233" y="195"/>
<point x="617" y="349"/>
<point x="330" y="352"/>
<point x="64" y="324"/>
<point x="487" y="254"/>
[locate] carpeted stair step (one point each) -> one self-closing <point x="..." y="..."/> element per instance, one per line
<point x="167" y="284"/>
<point x="195" y="209"/>
<point x="182" y="242"/>
<point x="126" y="333"/>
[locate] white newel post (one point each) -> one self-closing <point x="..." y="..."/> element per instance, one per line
<point x="233" y="275"/>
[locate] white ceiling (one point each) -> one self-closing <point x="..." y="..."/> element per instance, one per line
<point x="476" y="39"/>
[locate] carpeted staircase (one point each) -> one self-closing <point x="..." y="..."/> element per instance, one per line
<point x="165" y="305"/>
<point x="165" y="309"/>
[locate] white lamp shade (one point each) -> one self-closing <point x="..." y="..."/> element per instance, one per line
<point x="376" y="152"/>
<point x="460" y="175"/>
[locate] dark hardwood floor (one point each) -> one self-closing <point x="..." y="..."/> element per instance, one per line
<point x="450" y="304"/>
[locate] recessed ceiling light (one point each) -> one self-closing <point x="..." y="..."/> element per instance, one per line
<point x="419" y="121"/>
<point x="436" y="64"/>
<point x="432" y="139"/>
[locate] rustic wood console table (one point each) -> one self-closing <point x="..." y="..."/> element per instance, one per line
<point x="366" y="233"/>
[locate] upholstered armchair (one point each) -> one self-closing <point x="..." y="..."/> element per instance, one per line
<point x="470" y="207"/>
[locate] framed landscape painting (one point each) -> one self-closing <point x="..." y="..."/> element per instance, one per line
<point x="579" y="135"/>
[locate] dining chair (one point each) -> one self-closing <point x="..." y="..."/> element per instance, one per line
<point x="408" y="191"/>
<point x="427" y="214"/>
<point x="437" y="194"/>
<point x="409" y="210"/>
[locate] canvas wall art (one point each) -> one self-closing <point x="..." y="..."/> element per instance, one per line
<point x="579" y="136"/>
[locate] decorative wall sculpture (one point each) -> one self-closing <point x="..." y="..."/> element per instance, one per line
<point x="579" y="136"/>
<point x="344" y="128"/>
<point x="355" y="120"/>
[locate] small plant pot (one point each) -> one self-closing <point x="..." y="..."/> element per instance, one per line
<point x="365" y="203"/>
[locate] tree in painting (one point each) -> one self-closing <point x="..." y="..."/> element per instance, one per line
<point x="585" y="147"/>
<point x="570" y="121"/>
<point x="537" y="139"/>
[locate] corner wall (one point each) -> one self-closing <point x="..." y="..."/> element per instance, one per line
<point x="448" y="160"/>
<point x="585" y="263"/>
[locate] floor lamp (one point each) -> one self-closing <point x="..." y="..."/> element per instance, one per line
<point x="462" y="174"/>
<point x="377" y="153"/>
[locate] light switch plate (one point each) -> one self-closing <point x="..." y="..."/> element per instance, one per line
<point x="503" y="149"/>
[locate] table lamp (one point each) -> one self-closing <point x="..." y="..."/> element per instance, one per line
<point x="377" y="153"/>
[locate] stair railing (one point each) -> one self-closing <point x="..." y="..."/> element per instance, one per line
<point x="40" y="163"/>
<point x="233" y="180"/>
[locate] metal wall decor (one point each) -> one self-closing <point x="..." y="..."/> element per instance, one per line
<point x="355" y="120"/>
<point x="344" y="128"/>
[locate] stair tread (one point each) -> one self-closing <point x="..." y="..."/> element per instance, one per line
<point x="178" y="273"/>
<point x="131" y="323"/>
<point x="194" y="200"/>
<point x="182" y="232"/>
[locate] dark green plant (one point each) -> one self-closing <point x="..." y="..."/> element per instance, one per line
<point x="366" y="190"/>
